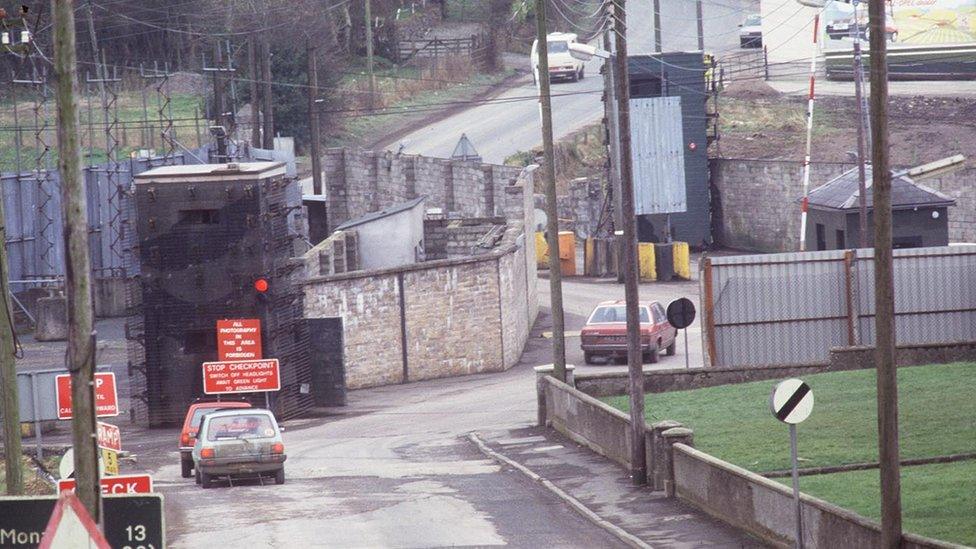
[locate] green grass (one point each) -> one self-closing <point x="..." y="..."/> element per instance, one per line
<point x="938" y="501"/>
<point x="733" y="422"/>
<point x="34" y="485"/>
<point x="937" y="416"/>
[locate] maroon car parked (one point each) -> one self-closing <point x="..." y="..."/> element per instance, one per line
<point x="605" y="333"/>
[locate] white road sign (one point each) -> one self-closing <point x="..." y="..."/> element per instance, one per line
<point x="791" y="401"/>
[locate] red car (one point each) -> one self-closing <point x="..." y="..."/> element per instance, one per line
<point x="605" y="333"/>
<point x="190" y="425"/>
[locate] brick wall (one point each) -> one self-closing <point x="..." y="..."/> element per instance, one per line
<point x="755" y="201"/>
<point x="358" y="182"/>
<point x="462" y="316"/>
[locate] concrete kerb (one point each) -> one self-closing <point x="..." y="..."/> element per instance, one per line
<point x="577" y="505"/>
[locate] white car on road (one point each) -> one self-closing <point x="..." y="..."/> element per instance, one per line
<point x="562" y="63"/>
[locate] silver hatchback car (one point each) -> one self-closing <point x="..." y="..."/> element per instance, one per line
<point x="244" y="442"/>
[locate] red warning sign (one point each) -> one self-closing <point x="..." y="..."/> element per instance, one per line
<point x="122" y="484"/>
<point x="239" y="339"/>
<point x="106" y="397"/>
<point x="242" y="376"/>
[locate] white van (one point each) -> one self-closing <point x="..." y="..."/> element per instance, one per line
<point x="562" y="64"/>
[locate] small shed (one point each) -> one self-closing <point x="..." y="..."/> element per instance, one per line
<point x="919" y="214"/>
<point x="390" y="237"/>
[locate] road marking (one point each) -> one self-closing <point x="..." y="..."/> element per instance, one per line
<point x="548" y="335"/>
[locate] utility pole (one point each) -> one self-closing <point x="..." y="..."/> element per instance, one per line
<point x="267" y="95"/>
<point x="81" y="333"/>
<point x="884" y="285"/>
<point x="657" y="26"/>
<point x="220" y="103"/>
<point x="252" y="72"/>
<point x="635" y="362"/>
<point x="701" y="25"/>
<point x="369" y="55"/>
<point x="861" y="151"/>
<point x="8" y="378"/>
<point x="313" y="120"/>
<point x="552" y="215"/>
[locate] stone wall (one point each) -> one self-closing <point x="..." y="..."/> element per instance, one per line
<point x="433" y="319"/>
<point x="358" y="182"/>
<point x="455" y="238"/>
<point x="755" y="202"/>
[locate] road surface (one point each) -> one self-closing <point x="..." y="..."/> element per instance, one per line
<point x="501" y="128"/>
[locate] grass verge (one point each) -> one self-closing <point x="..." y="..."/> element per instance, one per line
<point x="34" y="484"/>
<point x="938" y="500"/>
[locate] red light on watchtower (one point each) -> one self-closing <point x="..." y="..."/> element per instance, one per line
<point x="261" y="285"/>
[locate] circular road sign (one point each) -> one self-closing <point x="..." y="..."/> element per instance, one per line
<point x="681" y="313"/>
<point x="791" y="401"/>
<point x="66" y="468"/>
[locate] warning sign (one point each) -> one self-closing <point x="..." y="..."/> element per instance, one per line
<point x="109" y="436"/>
<point x="106" y="397"/>
<point x="239" y="339"/>
<point x="123" y="484"/>
<point x="242" y="376"/>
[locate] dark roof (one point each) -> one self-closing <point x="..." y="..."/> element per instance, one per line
<point x="373" y="216"/>
<point x="842" y="193"/>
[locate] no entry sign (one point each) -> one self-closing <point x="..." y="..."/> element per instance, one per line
<point x="239" y="339"/>
<point x="121" y="484"/>
<point x="106" y="397"/>
<point x="681" y="313"/>
<point x="243" y="376"/>
<point x="791" y="401"/>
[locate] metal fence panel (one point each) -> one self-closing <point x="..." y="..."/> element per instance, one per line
<point x="792" y="308"/>
<point x="657" y="149"/>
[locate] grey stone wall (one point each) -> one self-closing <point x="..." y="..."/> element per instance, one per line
<point x="755" y="202"/>
<point x="581" y="208"/>
<point x="456" y="238"/>
<point x="358" y="182"/>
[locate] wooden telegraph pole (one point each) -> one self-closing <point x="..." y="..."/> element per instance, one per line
<point x="8" y="378"/>
<point x="884" y="285"/>
<point x="267" y="95"/>
<point x="552" y="217"/>
<point x="635" y="363"/>
<point x="369" y="55"/>
<point x="252" y="73"/>
<point x="81" y="333"/>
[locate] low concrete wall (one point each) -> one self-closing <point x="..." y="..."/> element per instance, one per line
<point x="841" y="359"/>
<point x="764" y="507"/>
<point x="588" y="421"/>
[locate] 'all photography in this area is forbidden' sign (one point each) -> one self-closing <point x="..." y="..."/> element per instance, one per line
<point x="241" y="376"/>
<point x="121" y="484"/>
<point x="239" y="339"/>
<point x="106" y="396"/>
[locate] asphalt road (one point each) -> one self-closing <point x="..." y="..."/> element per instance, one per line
<point x="510" y="123"/>
<point x="394" y="469"/>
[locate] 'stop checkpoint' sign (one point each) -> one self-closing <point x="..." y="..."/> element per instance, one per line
<point x="106" y="396"/>
<point x="239" y="339"/>
<point x="243" y="376"/>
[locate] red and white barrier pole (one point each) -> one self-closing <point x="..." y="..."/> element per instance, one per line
<point x="805" y="203"/>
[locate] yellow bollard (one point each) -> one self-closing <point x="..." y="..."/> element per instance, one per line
<point x="645" y="262"/>
<point x="567" y="253"/>
<point x="682" y="260"/>
<point x="541" y="251"/>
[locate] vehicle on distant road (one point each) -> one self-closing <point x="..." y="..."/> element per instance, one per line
<point x="190" y="424"/>
<point x="605" y="333"/>
<point x="750" y="32"/>
<point x="842" y="26"/>
<point x="238" y="443"/>
<point x="562" y="62"/>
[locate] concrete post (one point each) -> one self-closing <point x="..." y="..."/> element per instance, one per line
<point x="671" y="437"/>
<point x="540" y="387"/>
<point x="656" y="450"/>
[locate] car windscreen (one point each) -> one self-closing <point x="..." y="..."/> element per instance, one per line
<point x="753" y="21"/>
<point x="558" y="47"/>
<point x="614" y="313"/>
<point x="199" y="413"/>
<point x="240" y="426"/>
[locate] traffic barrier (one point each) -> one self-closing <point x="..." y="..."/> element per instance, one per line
<point x="682" y="260"/>
<point x="646" y="261"/>
<point x="567" y="253"/>
<point x="541" y="251"/>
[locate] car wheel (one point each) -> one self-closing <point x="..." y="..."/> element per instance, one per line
<point x="587" y="357"/>
<point x="655" y="354"/>
<point x="198" y="476"/>
<point x="582" y="73"/>
<point x="670" y="350"/>
<point x="186" y="467"/>
<point x="280" y="476"/>
<point x="206" y="481"/>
